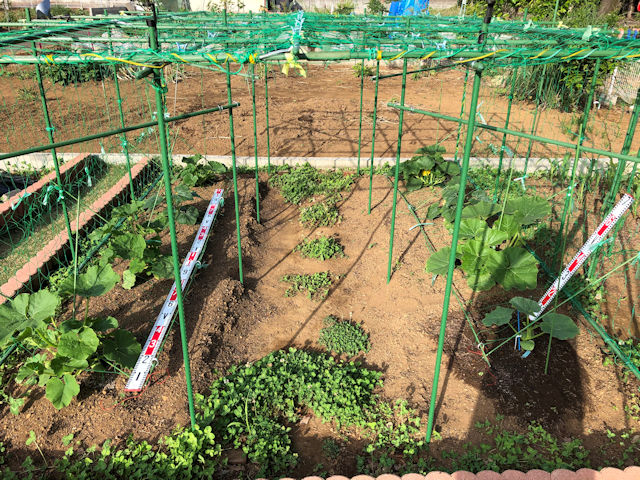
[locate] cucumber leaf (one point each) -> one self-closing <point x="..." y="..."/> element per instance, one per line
<point x="187" y="215"/>
<point x="559" y="326"/>
<point x="525" y="305"/>
<point x="122" y="348"/>
<point x="60" y="392"/>
<point x="128" y="245"/>
<point x="78" y="344"/>
<point x="26" y="311"/>
<point x="498" y="316"/>
<point x="96" y="281"/>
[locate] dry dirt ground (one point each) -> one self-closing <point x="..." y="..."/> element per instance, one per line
<point x="314" y="116"/>
<point x="230" y="323"/>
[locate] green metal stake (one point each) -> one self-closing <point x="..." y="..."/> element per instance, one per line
<point x="373" y="132"/>
<point x="464" y="96"/>
<point x="454" y="244"/>
<point x="125" y="145"/>
<point x="397" y="170"/>
<point x="609" y="199"/>
<point x="50" y="130"/>
<point x="555" y="11"/>
<point x="162" y="134"/>
<point x="504" y="136"/>
<point x="235" y="175"/>
<point x="255" y="138"/>
<point x="266" y="112"/>
<point x="534" y="126"/>
<point x="360" y="123"/>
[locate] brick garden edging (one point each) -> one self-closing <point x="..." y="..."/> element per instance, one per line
<point x="68" y="170"/>
<point x="60" y="241"/>
<point x="629" y="473"/>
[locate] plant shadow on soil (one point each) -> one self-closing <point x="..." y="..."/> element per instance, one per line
<point x="229" y="323"/>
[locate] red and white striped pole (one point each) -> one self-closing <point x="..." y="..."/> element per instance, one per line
<point x="587" y="249"/>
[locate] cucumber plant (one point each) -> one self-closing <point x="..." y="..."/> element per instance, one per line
<point x="138" y="238"/>
<point x="554" y="324"/>
<point x="65" y="349"/>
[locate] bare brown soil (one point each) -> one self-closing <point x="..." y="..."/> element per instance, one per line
<point x="310" y="117"/>
<point x="230" y="323"/>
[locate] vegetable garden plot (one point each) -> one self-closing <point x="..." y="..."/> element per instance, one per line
<point x="497" y="230"/>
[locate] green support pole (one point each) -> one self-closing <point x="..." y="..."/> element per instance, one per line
<point x="504" y="136"/>
<point x="360" y="122"/>
<point x="628" y="139"/>
<point x="515" y="133"/>
<point x="159" y="89"/>
<point x="397" y="169"/>
<point x="266" y="113"/>
<point x="607" y="204"/>
<point x="50" y="130"/>
<point x="464" y="96"/>
<point x="125" y="145"/>
<point x="235" y="175"/>
<point x="555" y="11"/>
<point x="534" y="125"/>
<point x="255" y="138"/>
<point x="454" y="244"/>
<point x="373" y="132"/>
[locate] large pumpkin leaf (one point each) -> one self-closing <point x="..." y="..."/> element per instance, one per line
<point x="528" y="210"/>
<point x="26" y="311"/>
<point x="60" y="392"/>
<point x="472" y="227"/>
<point x="78" y="344"/>
<point x="475" y="257"/>
<point x="514" y="268"/>
<point x="414" y="184"/>
<point x="498" y="316"/>
<point x="424" y="163"/>
<point x="434" y="211"/>
<point x="450" y="194"/>
<point x="509" y="225"/>
<point x="448" y="167"/>
<point x="122" y="348"/>
<point x="96" y="281"/>
<point x="559" y="326"/>
<point x="438" y="262"/>
<point x="525" y="305"/>
<point x="480" y="210"/>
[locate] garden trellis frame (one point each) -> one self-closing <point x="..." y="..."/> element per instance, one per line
<point x="229" y="43"/>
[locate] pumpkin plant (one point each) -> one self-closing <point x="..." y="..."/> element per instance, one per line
<point x="198" y="175"/>
<point x="554" y="324"/>
<point x="428" y="168"/>
<point x="490" y="238"/>
<point x="65" y="349"/>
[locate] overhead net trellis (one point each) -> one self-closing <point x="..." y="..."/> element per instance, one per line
<point x="143" y="47"/>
